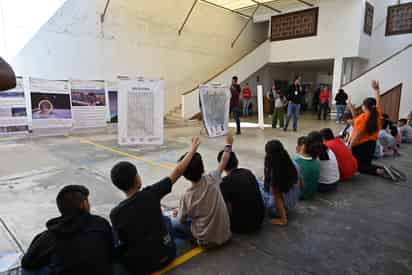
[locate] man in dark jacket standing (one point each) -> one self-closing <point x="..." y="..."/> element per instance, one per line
<point x="77" y="242"/>
<point x="295" y="98"/>
<point x="235" y="102"/>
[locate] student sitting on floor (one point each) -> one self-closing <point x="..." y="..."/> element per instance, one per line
<point x="281" y="189"/>
<point x="202" y="214"/>
<point x="143" y="234"/>
<point x="405" y="130"/>
<point x="77" y="242"/>
<point x="386" y="140"/>
<point x="347" y="129"/>
<point x="329" y="168"/>
<point x="309" y="167"/>
<point x="348" y="165"/>
<point x="240" y="190"/>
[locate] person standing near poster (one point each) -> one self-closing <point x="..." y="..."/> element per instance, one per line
<point x="295" y="98"/>
<point x="7" y="76"/>
<point x="235" y="103"/>
<point x="247" y="96"/>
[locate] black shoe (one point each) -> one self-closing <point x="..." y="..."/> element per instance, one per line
<point x="295" y="130"/>
<point x="284" y="129"/>
<point x="238" y="133"/>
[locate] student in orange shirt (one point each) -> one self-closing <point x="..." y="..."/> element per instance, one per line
<point x="366" y="131"/>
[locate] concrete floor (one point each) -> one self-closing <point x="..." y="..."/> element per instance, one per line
<point x="362" y="229"/>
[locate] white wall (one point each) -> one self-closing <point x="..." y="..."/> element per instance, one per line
<point x="338" y="35"/>
<point x="390" y="74"/>
<point x="137" y="38"/>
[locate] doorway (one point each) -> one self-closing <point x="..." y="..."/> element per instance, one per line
<point x="391" y="101"/>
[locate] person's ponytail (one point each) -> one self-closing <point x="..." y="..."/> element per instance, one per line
<point x="373" y="119"/>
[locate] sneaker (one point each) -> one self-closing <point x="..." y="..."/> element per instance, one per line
<point x="284" y="129"/>
<point x="399" y="174"/>
<point x="238" y="133"/>
<point x="389" y="172"/>
<point x="295" y="130"/>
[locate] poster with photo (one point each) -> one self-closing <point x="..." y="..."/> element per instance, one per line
<point x="89" y="104"/>
<point x="50" y="104"/>
<point x="215" y="104"/>
<point x="141" y="109"/>
<point x="13" y="112"/>
<point x="112" y="96"/>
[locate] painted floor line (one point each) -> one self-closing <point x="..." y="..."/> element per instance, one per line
<point x="180" y="260"/>
<point x="126" y="154"/>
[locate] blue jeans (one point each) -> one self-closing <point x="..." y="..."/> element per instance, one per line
<point x="246" y="104"/>
<point x="181" y="230"/>
<point x="293" y="110"/>
<point x="42" y="271"/>
<point x="340" y="110"/>
<point x="236" y="115"/>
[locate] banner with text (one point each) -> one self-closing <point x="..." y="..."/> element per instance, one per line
<point x="215" y="104"/>
<point x="50" y="104"/>
<point x="13" y="111"/>
<point x="89" y="104"/>
<point x="140" y="110"/>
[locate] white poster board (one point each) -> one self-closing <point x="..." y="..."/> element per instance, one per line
<point x="88" y="103"/>
<point x="13" y="110"/>
<point x="215" y="104"/>
<point x="140" y="111"/>
<point x="50" y="104"/>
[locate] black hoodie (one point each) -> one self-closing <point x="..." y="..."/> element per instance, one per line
<point x="82" y="244"/>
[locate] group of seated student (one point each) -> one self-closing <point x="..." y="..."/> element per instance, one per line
<point x="142" y="239"/>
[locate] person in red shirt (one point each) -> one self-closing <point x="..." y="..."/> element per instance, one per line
<point x="324" y="98"/>
<point x="246" y="99"/>
<point x="348" y="165"/>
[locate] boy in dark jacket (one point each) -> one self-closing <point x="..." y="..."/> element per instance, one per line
<point x="77" y="242"/>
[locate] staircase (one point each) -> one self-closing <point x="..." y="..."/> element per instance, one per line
<point x="174" y="119"/>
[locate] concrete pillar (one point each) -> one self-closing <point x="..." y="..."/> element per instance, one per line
<point x="337" y="75"/>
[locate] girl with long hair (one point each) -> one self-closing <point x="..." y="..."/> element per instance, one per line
<point x="281" y="181"/>
<point x="329" y="169"/>
<point x="366" y="131"/>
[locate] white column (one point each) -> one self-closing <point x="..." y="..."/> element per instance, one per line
<point x="261" y="119"/>
<point x="337" y="75"/>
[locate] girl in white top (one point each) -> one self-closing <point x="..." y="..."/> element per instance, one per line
<point x="329" y="168"/>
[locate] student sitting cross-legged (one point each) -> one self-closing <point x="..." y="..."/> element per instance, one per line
<point x="281" y="182"/>
<point x="329" y="169"/>
<point x="143" y="234"/>
<point x="77" y="242"/>
<point x="309" y="167"/>
<point x="202" y="214"/>
<point x="240" y="190"/>
<point x="348" y="165"/>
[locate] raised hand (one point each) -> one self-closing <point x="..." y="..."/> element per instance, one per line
<point x="195" y="144"/>
<point x="375" y="85"/>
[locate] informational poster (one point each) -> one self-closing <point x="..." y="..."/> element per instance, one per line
<point x="89" y="104"/>
<point x="112" y="95"/>
<point x="50" y="104"/>
<point x="215" y="104"/>
<point x="13" y="112"/>
<point x="140" y="104"/>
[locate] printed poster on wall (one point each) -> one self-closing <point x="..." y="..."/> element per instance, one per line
<point x="215" y="104"/>
<point x="89" y="104"/>
<point x="50" y="104"/>
<point x="112" y="95"/>
<point x="13" y="112"/>
<point x="140" y="104"/>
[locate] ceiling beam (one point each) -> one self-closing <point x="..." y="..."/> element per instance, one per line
<point x="266" y="6"/>
<point x="244" y="26"/>
<point x="234" y="11"/>
<point x="103" y="15"/>
<point x="306" y="3"/>
<point x="187" y="17"/>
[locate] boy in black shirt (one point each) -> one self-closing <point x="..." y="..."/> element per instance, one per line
<point x="75" y="243"/>
<point x="243" y="198"/>
<point x="144" y="239"/>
